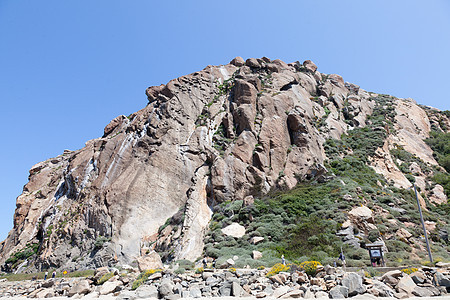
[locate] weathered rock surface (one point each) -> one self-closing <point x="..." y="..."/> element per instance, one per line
<point x="227" y="132"/>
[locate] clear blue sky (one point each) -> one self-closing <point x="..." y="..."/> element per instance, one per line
<point x="68" y="67"/>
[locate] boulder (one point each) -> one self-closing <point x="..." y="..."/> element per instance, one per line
<point x="252" y="63"/>
<point x="321" y="294"/>
<point x="297" y="293"/>
<point x="403" y="234"/>
<point x="392" y="281"/>
<point x="235" y="230"/>
<point x="45" y="293"/>
<point x="237" y="61"/>
<point x="225" y="289"/>
<point x="166" y="287"/>
<point x="443" y="265"/>
<point x="354" y="283"/>
<point x="379" y="289"/>
<point x="256" y="239"/>
<point x="339" y="292"/>
<point x="280" y="291"/>
<point x="442" y="280"/>
<point x="256" y="254"/>
<point x="99" y="272"/>
<point x="406" y="285"/>
<point x="81" y="287"/>
<point x="422" y="292"/>
<point x="48" y="283"/>
<point x="147" y="291"/>
<point x="150" y="261"/>
<point x="127" y="295"/>
<point x="418" y="277"/>
<point x="310" y="66"/>
<point x="195" y="292"/>
<point x="110" y="287"/>
<point x="309" y="294"/>
<point x="394" y="273"/>
<point x="244" y="92"/>
<point x="236" y="289"/>
<point x="278" y="278"/>
<point x="362" y="212"/>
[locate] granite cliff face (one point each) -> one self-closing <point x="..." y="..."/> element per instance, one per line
<point x="229" y="132"/>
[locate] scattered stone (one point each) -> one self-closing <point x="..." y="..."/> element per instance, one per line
<point x="256" y="254"/>
<point x="256" y="239"/>
<point x="235" y="230"/>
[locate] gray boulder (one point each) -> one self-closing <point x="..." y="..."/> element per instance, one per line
<point x="236" y="289"/>
<point x="225" y="289"/>
<point x="110" y="287"/>
<point x="127" y="295"/>
<point x="48" y="283"/>
<point x="422" y="292"/>
<point x="442" y="280"/>
<point x="81" y="287"/>
<point x="354" y="283"/>
<point x="406" y="285"/>
<point x="339" y="292"/>
<point x="195" y="292"/>
<point x="146" y="291"/>
<point x="166" y="287"/>
<point x="379" y="289"/>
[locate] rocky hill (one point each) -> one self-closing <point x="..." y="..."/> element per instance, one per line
<point x="253" y="158"/>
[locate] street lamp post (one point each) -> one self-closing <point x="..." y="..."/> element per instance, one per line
<point x="423" y="225"/>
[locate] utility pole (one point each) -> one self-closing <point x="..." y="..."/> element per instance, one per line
<point x="423" y="225"/>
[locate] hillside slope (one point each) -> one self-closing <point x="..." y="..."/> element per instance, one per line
<point x="214" y="144"/>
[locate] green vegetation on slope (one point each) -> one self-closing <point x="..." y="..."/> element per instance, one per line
<point x="302" y="223"/>
<point x="440" y="143"/>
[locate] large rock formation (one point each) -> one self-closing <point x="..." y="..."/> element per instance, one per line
<point x="223" y="133"/>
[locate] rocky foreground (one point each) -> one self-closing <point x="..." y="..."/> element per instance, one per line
<point x="327" y="282"/>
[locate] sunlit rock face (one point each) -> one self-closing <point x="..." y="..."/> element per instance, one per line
<point x="224" y="133"/>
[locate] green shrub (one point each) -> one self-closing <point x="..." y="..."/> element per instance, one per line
<point x="142" y="278"/>
<point x="180" y="271"/>
<point x="100" y="241"/>
<point x="105" y="278"/>
<point x="185" y="264"/>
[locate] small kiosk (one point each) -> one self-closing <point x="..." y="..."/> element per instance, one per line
<point x="376" y="254"/>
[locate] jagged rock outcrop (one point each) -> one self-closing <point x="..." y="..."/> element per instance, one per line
<point x="224" y="133"/>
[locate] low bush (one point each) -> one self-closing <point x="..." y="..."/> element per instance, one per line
<point x="310" y="267"/>
<point x="277" y="268"/>
<point x="409" y="270"/>
<point x="105" y="278"/>
<point x="142" y="278"/>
